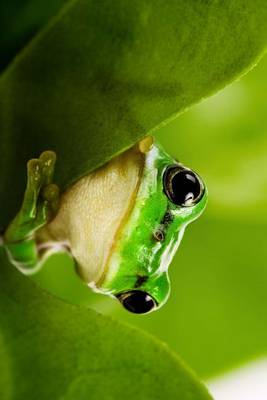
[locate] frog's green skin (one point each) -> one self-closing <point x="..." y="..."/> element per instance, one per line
<point x="142" y="247"/>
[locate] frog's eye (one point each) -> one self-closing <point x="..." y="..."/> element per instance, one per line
<point x="137" y="301"/>
<point x="182" y="186"/>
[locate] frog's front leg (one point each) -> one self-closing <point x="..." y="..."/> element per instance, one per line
<point x="39" y="205"/>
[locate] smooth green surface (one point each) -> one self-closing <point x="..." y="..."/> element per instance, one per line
<point x="216" y="315"/>
<point x="50" y="349"/>
<point x="100" y="77"/>
<point x="20" y="20"/>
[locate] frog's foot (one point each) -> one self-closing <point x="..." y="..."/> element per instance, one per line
<point x="40" y="201"/>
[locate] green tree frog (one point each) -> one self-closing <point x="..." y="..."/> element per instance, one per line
<point x="122" y="223"/>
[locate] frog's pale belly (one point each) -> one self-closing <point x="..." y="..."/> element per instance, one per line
<point x="92" y="211"/>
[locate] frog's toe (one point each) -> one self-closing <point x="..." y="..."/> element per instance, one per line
<point x="48" y="160"/>
<point x="34" y="168"/>
<point x="48" y="157"/>
<point x="50" y="194"/>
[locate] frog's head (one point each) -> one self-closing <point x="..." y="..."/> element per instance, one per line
<point x="169" y="196"/>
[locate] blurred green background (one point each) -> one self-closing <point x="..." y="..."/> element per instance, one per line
<point x="216" y="316"/>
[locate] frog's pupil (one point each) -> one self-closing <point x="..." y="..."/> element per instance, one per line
<point x="137" y="301"/>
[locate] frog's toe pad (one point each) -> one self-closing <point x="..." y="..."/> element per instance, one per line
<point x="48" y="158"/>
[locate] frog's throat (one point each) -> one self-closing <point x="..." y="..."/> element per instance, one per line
<point x="147" y="184"/>
<point x="97" y="284"/>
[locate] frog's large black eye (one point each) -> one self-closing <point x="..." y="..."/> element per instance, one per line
<point x="137" y="302"/>
<point x="182" y="186"/>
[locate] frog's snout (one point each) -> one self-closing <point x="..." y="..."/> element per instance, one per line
<point x="137" y="301"/>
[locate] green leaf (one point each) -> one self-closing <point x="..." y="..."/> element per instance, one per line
<point x="100" y="77"/>
<point x="20" y="20"/>
<point x="50" y="349"/>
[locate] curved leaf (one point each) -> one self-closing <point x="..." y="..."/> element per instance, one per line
<point x="101" y="76"/>
<point x="50" y="349"/>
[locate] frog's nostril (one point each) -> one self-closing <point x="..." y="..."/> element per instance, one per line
<point x="159" y="235"/>
<point x="137" y="301"/>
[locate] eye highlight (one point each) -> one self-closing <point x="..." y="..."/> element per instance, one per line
<point x="182" y="186"/>
<point x="137" y="301"/>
